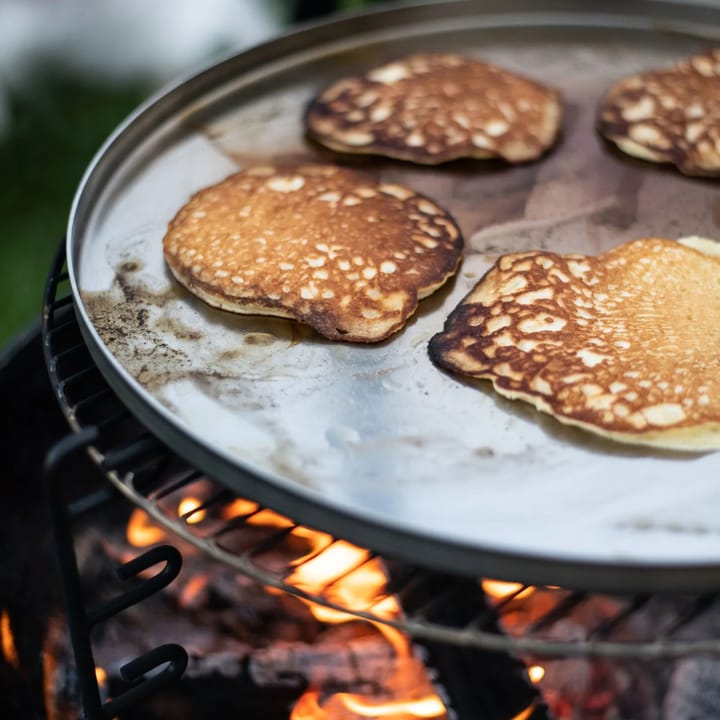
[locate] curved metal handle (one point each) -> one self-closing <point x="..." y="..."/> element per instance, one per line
<point x="176" y="659"/>
<point x="162" y="553"/>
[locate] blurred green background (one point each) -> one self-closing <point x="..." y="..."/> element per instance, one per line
<point x="55" y="121"/>
<point x="56" y="125"/>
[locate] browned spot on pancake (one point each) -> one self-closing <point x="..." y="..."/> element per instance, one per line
<point x="437" y="107"/>
<point x="345" y="254"/>
<point x="669" y="116"/>
<point x="626" y="344"/>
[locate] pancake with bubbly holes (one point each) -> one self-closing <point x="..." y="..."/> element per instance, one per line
<point x="437" y="107"/>
<point x="669" y="116"/>
<point x="343" y="253"/>
<point x="625" y="344"/>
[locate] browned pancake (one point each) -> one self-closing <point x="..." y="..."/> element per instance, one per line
<point x="434" y="108"/>
<point x="626" y="344"/>
<point x="669" y="116"/>
<point x="329" y="247"/>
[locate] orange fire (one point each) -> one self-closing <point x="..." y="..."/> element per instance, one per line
<point x="239" y="508"/>
<point x="188" y="508"/>
<point x="7" y="641"/>
<point x="269" y="518"/>
<point x="516" y="616"/>
<point x="345" y="705"/>
<point x="499" y="589"/>
<point x="344" y="575"/>
<point x="142" y="530"/>
<point x="349" y="576"/>
<point x="526" y="713"/>
<point x="192" y="590"/>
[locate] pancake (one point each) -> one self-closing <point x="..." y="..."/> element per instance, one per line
<point x="669" y="116"/>
<point x="625" y="345"/>
<point x="437" y="107"/>
<point x="345" y="254"/>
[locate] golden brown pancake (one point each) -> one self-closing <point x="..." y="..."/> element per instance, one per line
<point x="329" y="247"/>
<point x="437" y="107"/>
<point x="626" y="344"/>
<point x="669" y="116"/>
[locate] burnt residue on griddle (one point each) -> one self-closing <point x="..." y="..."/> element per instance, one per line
<point x="257" y="338"/>
<point x="131" y="266"/>
<point x="174" y="327"/>
<point x="121" y="316"/>
<point x="148" y="338"/>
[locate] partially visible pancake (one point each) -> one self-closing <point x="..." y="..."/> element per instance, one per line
<point x="329" y="247"/>
<point x="437" y="107"/>
<point x="626" y="344"/>
<point x="669" y="116"/>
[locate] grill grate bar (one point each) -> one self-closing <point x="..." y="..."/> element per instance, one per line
<point x="491" y="613"/>
<point x="561" y="610"/>
<point x="62" y="302"/>
<point x="269" y="543"/>
<point x="136" y="453"/>
<point x="369" y="557"/>
<point x="696" y="608"/>
<point x="78" y="375"/>
<point x="607" y="626"/>
<point x="109" y="420"/>
<point x="440" y="599"/>
<point x="90" y="399"/>
<point x="70" y="350"/>
<point x="190" y="477"/>
<point x="217" y="499"/>
<point x="64" y="324"/>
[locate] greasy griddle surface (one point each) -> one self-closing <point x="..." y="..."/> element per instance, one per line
<point x="419" y="460"/>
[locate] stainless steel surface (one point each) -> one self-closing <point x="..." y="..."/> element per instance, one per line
<point x="374" y="442"/>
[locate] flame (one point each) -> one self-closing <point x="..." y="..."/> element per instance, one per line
<point x="499" y="589"/>
<point x="526" y="713"/>
<point x="341" y="573"/>
<point x="329" y="566"/>
<point x="142" y="531"/>
<point x="269" y="518"/>
<point x="347" y="576"/>
<point x="427" y="707"/>
<point x="7" y="641"/>
<point x="351" y="578"/>
<point x="536" y="673"/>
<point x="309" y="707"/>
<point x="192" y="589"/>
<point x="239" y="508"/>
<point x="188" y="508"/>
<point x="100" y="675"/>
<point x="315" y="539"/>
<point x="55" y="631"/>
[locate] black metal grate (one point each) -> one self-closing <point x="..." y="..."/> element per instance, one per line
<point x="268" y="547"/>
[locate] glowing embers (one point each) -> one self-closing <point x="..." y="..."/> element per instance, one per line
<point x="574" y="686"/>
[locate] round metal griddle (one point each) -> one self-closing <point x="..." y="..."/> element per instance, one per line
<point x="373" y="443"/>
